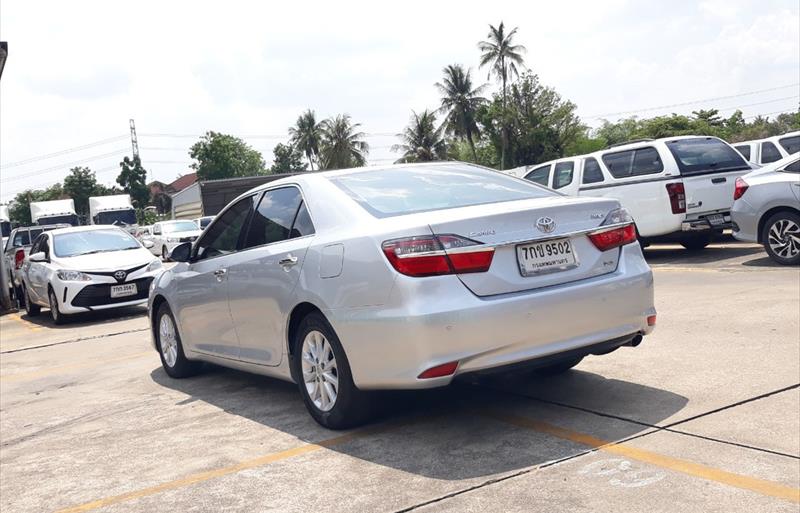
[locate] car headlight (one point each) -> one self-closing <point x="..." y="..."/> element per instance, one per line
<point x="173" y="239"/>
<point x="65" y="275"/>
<point x="154" y="265"/>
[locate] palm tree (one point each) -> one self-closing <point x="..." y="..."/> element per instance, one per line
<point x="306" y="136"/>
<point x="342" y="146"/>
<point x="422" y="141"/>
<point x="459" y="104"/>
<point x="503" y="57"/>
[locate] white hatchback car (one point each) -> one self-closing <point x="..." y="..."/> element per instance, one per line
<point x="80" y="269"/>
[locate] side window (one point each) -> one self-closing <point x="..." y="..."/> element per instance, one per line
<point x="791" y="144"/>
<point x="744" y="149"/>
<point x="272" y="221"/>
<point x="540" y="175"/>
<point x="794" y="167"/>
<point x="223" y="236"/>
<point x="157" y="229"/>
<point x="769" y="153"/>
<point x="19" y="239"/>
<point x="629" y="163"/>
<point x="562" y="174"/>
<point x="302" y="223"/>
<point x="591" y="171"/>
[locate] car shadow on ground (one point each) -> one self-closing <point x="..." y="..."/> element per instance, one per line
<point x="675" y="254"/>
<point x="85" y="319"/>
<point x="450" y="433"/>
<point x="764" y="261"/>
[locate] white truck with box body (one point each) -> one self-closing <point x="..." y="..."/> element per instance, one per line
<point x="115" y="210"/>
<point x="5" y="223"/>
<point x="54" y="212"/>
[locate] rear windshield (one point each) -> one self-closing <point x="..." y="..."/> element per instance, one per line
<point x="408" y="190"/>
<point x="705" y="155"/>
<point x="790" y="144"/>
<point x="744" y="149"/>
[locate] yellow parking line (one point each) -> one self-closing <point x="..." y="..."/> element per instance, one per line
<point x="27" y="324"/>
<point x="752" y="484"/>
<point x="24" y="376"/>
<point x="224" y="471"/>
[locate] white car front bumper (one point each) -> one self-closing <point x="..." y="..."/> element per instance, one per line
<point x="84" y="296"/>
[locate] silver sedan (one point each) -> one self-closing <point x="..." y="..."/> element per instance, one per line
<point x="401" y="277"/>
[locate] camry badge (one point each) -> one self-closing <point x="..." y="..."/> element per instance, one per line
<point x="546" y="224"/>
<point x="120" y="275"/>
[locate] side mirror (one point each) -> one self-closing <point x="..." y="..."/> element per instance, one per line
<point x="181" y="252"/>
<point x="147" y="243"/>
<point x="38" y="257"/>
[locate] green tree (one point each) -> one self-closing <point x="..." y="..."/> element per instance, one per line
<point x="219" y="155"/>
<point x="133" y="180"/>
<point x="81" y="184"/>
<point x="504" y="59"/>
<point x="342" y="145"/>
<point x="422" y="141"/>
<point x="460" y="102"/>
<point x="306" y="136"/>
<point x="288" y="159"/>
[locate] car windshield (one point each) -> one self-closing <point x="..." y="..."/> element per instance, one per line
<point x="705" y="155"/>
<point x="408" y="190"/>
<point x="118" y="217"/>
<point x="178" y="226"/>
<point x="70" y="219"/>
<point x="92" y="241"/>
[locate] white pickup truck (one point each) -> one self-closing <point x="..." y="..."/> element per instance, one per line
<point x="677" y="188"/>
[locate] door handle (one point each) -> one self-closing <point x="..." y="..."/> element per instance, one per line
<point x="288" y="261"/>
<point x="220" y="274"/>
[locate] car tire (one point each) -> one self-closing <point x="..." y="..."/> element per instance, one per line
<point x="558" y="367"/>
<point x="319" y="356"/>
<point x="781" y="238"/>
<point x="164" y="254"/>
<point x="696" y="242"/>
<point x="170" y="347"/>
<point x="55" y="312"/>
<point x="19" y="296"/>
<point x="31" y="308"/>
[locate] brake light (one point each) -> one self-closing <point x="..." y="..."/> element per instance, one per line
<point x="19" y="258"/>
<point x="435" y="255"/>
<point x="614" y="237"/>
<point x="677" y="197"/>
<point x="740" y="189"/>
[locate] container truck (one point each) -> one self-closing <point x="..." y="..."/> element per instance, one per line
<point x="116" y="209"/>
<point x="54" y="212"/>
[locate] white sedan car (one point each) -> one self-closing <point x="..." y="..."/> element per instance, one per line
<point x="401" y="277"/>
<point x="168" y="234"/>
<point x="80" y="269"/>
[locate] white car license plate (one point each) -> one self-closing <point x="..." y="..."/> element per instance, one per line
<point x="128" y="289"/>
<point x="545" y="257"/>
<point x="716" y="219"/>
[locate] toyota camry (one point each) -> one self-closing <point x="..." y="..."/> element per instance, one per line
<point x="401" y="277"/>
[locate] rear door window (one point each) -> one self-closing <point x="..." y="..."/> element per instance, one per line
<point x="540" y="175"/>
<point x="630" y="163"/>
<point x="790" y="144"/>
<point x="703" y="155"/>
<point x="769" y="153"/>
<point x="744" y="149"/>
<point x="562" y="174"/>
<point x="273" y="219"/>
<point x="591" y="171"/>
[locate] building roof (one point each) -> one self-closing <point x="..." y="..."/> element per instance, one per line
<point x="182" y="182"/>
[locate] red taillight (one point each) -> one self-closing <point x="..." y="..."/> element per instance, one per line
<point x="677" y="197"/>
<point x="445" y="369"/>
<point x="613" y="238"/>
<point x="741" y="188"/>
<point x="19" y="258"/>
<point x="435" y="255"/>
<point x="651" y="320"/>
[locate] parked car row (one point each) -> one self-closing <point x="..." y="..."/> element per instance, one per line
<point x="676" y="188"/>
<point x="771" y="149"/>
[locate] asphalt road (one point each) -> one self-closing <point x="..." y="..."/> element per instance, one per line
<point x="703" y="416"/>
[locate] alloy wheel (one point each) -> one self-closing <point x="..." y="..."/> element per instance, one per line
<point x="320" y="374"/>
<point x="784" y="238"/>
<point x="168" y="340"/>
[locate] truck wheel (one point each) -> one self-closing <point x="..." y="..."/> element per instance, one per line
<point x="696" y="242"/>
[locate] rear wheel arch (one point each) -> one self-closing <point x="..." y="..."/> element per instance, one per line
<point x="299" y="312"/>
<point x="157" y="302"/>
<point x="768" y="214"/>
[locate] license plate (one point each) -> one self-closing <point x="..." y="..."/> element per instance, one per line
<point x="546" y="257"/>
<point x="716" y="219"/>
<point x="128" y="289"/>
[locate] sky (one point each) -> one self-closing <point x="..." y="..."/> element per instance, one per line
<point x="77" y="72"/>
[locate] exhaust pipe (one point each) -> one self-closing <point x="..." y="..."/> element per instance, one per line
<point x="635" y="341"/>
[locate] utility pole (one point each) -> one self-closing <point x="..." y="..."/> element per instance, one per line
<point x="135" y="142"/>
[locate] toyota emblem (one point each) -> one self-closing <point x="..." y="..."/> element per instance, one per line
<point x="546" y="224"/>
<point x="120" y="275"/>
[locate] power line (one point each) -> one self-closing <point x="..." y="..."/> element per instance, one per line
<point x="683" y="104"/>
<point x="760" y="103"/>
<point x="772" y="113"/>
<point x="60" y="167"/>
<point x="62" y="152"/>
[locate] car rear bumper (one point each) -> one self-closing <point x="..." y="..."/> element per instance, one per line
<point x="702" y="224"/>
<point x="745" y="222"/>
<point x="429" y="322"/>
